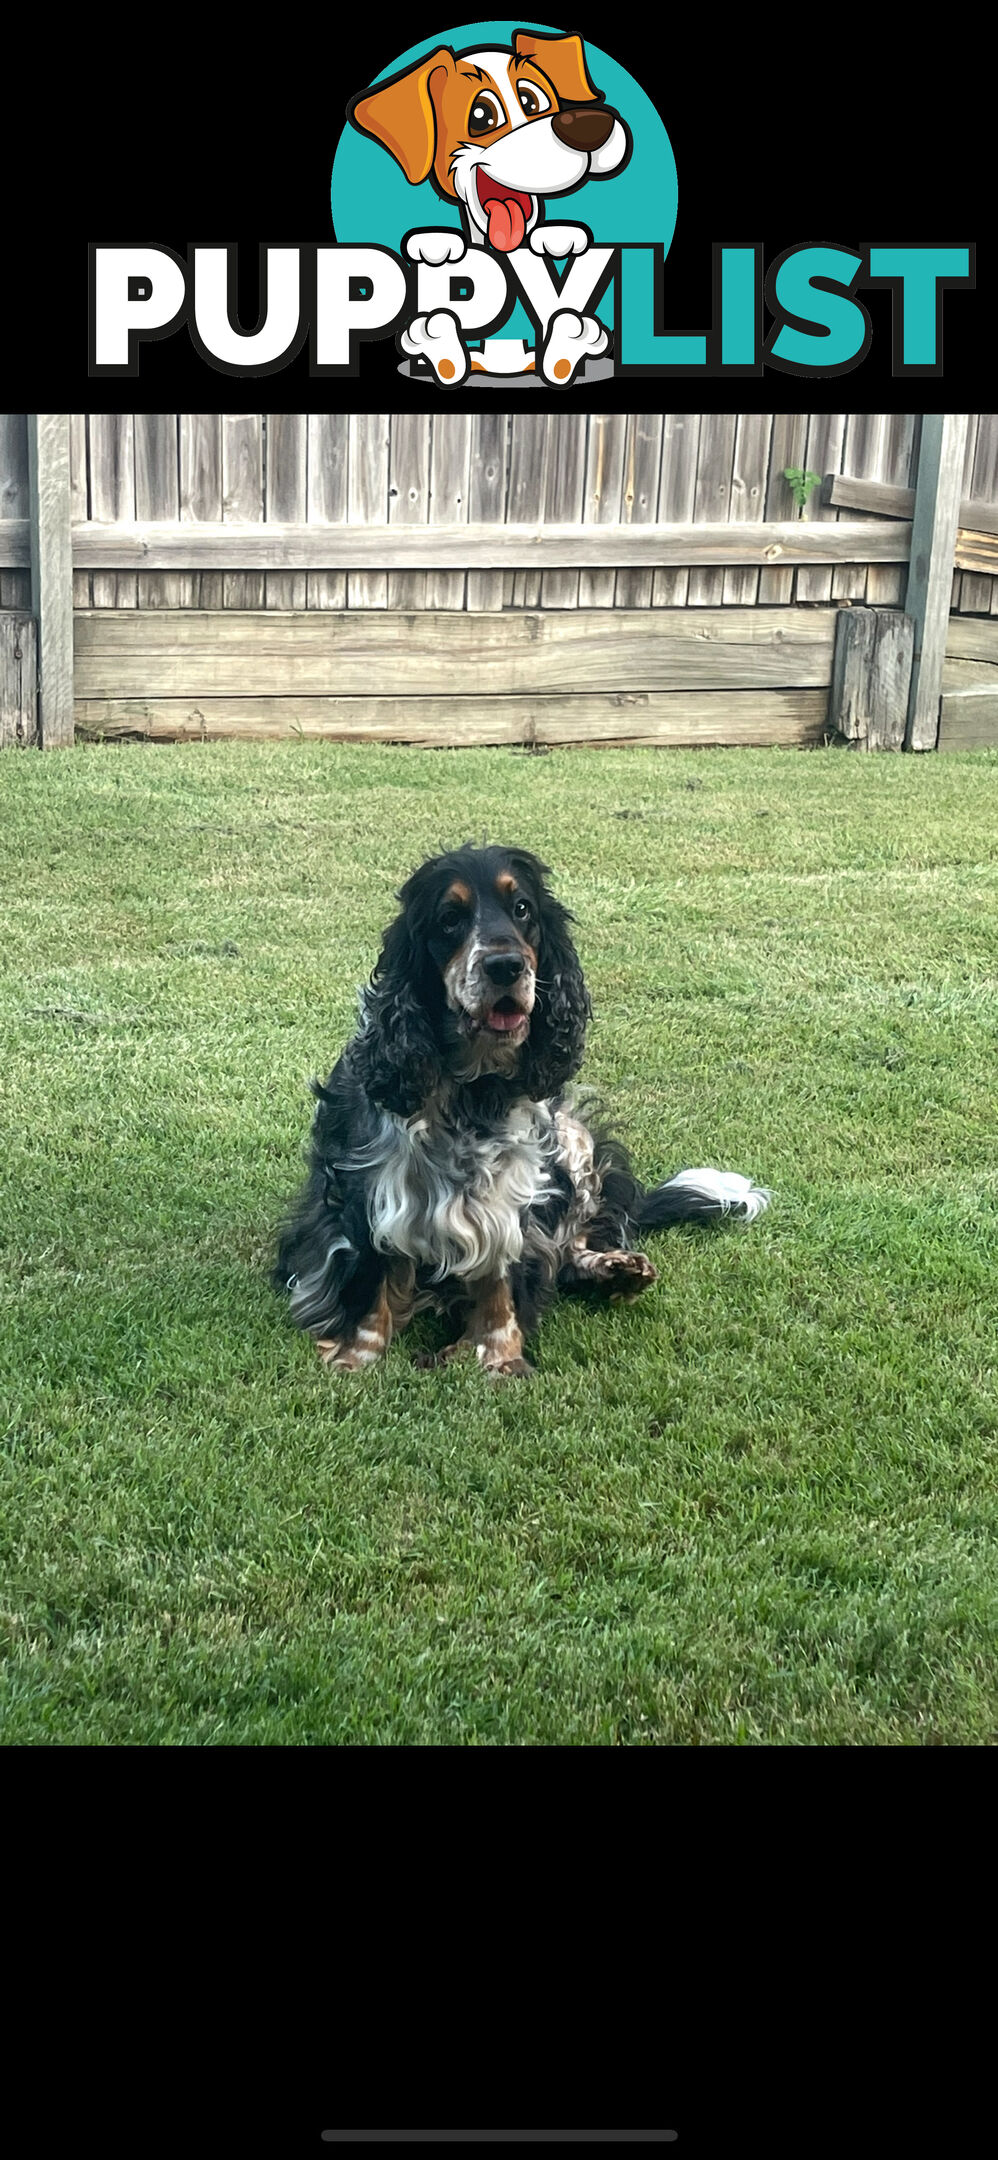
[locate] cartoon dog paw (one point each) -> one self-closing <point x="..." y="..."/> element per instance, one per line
<point x="559" y="240"/>
<point x="437" y="339"/>
<point x="571" y="339"/>
<point x="436" y="247"/>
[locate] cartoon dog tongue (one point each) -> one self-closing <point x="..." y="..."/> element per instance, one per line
<point x="507" y="211"/>
<point x="507" y="223"/>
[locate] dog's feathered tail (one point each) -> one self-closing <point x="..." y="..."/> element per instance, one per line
<point x="700" y="1196"/>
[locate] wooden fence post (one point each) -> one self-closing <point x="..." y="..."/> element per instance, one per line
<point x="930" y="573"/>
<point x="18" y="681"/>
<point x="52" y="574"/>
<point x="871" y="676"/>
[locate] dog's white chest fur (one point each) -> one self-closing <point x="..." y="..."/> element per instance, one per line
<point x="455" y="1201"/>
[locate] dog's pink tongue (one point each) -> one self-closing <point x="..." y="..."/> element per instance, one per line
<point x="507" y="223"/>
<point x="504" y="1020"/>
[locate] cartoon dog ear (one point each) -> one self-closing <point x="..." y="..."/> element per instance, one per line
<point x="400" y="114"/>
<point x="563" y="61"/>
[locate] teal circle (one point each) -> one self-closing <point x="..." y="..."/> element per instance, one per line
<point x="372" y="200"/>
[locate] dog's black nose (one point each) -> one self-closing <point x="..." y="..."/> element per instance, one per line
<point x="503" y="968"/>
<point x="584" y="127"/>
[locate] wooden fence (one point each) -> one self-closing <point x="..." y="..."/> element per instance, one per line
<point x="495" y="577"/>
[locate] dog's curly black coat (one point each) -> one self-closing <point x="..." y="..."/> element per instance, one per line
<point x="448" y="1165"/>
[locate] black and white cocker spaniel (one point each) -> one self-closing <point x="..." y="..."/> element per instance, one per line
<point x="449" y="1168"/>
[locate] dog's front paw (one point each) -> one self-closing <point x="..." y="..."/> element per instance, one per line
<point x="437" y="339"/>
<point x="632" y="1272"/>
<point x="436" y="247"/>
<point x="511" y="1368"/>
<point x="559" y="240"/>
<point x="571" y="339"/>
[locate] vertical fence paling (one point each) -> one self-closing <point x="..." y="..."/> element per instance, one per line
<point x="788" y="447"/>
<point x="487" y="500"/>
<point x="242" y="499"/>
<point x="450" y="468"/>
<point x="15" y="585"/>
<point x="930" y="569"/>
<point x="368" y="500"/>
<point x="676" y="497"/>
<point x="603" y="486"/>
<point x="52" y="574"/>
<point x="639" y="506"/>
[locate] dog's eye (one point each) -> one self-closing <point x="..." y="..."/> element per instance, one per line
<point x="452" y="919"/>
<point x="486" y="114"/>
<point x="532" y="99"/>
<point x="521" y="909"/>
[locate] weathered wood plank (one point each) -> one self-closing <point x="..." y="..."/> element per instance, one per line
<point x="368" y="500"/>
<point x="201" y="496"/>
<point x="970" y="675"/>
<point x="15" y="569"/>
<point x="884" y="500"/>
<point x="79" y="505"/>
<point x="635" y="547"/>
<point x="450" y="481"/>
<point x="885" y="581"/>
<point x="112" y="496"/>
<point x="639" y="500"/>
<point x="968" y="474"/>
<point x="224" y="654"/>
<point x="157" y="497"/>
<point x="871" y="674"/>
<point x="977" y="551"/>
<point x="52" y="575"/>
<point x="242" y="499"/>
<point x="930" y="574"/>
<point x="676" y="496"/>
<point x="328" y="458"/>
<point x="487" y="499"/>
<point x="713" y="496"/>
<point x="788" y="446"/>
<point x="528" y="449"/>
<point x="862" y="450"/>
<point x="748" y="490"/>
<point x="767" y="717"/>
<point x="409" y="501"/>
<point x="968" y="637"/>
<point x="603" y="491"/>
<point x="287" y="496"/>
<point x="825" y="432"/>
<point x="564" y="491"/>
<point x="18" y="682"/>
<point x="968" y="720"/>
<point x="969" y="706"/>
<point x="977" y="593"/>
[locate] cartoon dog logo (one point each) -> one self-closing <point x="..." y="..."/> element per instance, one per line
<point x="499" y="132"/>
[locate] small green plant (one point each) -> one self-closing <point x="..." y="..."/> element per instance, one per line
<point x="801" y="483"/>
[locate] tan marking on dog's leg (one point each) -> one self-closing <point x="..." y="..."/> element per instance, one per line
<point x="493" y="1333"/>
<point x="368" y="1342"/>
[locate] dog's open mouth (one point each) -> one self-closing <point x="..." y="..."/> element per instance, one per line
<point x="507" y="210"/>
<point x="505" y="1017"/>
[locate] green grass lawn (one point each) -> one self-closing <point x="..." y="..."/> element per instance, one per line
<point x="759" y="1505"/>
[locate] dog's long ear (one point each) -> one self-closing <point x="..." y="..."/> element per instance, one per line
<point x="400" y="114"/>
<point x="562" y="1008"/>
<point x="396" y="1056"/>
<point x="563" y="61"/>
